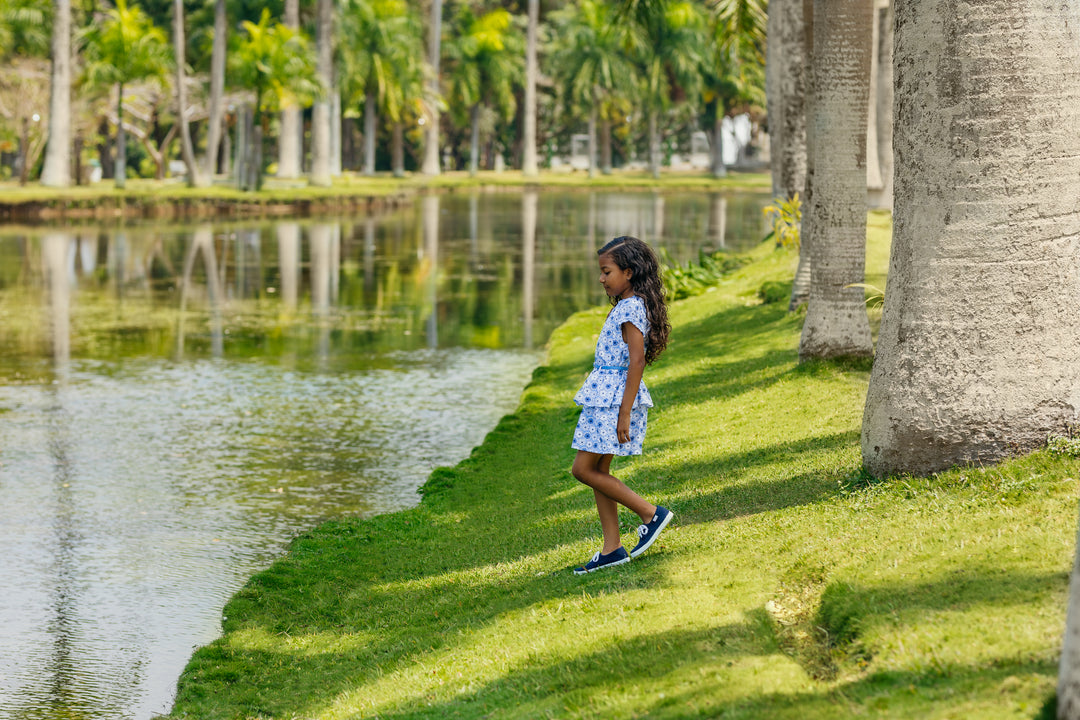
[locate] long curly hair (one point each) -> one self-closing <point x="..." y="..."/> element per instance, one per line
<point x="648" y="283"/>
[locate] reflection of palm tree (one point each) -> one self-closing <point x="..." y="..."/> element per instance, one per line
<point x="288" y="235"/>
<point x="55" y="248"/>
<point x="202" y="241"/>
<point x="430" y="220"/>
<point x="529" y="202"/>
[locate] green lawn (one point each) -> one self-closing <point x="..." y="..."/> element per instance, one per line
<point x="789" y="585"/>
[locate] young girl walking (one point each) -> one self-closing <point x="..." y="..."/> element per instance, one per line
<point x="615" y="402"/>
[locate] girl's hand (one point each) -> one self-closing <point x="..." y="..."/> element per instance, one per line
<point x="622" y="428"/>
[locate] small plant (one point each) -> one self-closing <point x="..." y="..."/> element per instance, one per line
<point x="785" y="217"/>
<point x="1063" y="445"/>
<point x="695" y="278"/>
<point x="772" y="291"/>
<point x="875" y="299"/>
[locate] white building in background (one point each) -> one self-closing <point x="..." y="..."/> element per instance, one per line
<point x="736" y="131"/>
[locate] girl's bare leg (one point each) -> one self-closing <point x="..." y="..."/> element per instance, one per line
<point x="592" y="470"/>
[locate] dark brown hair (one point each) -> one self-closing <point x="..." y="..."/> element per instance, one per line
<point x="632" y="254"/>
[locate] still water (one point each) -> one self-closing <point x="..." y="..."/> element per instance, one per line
<point x="177" y="402"/>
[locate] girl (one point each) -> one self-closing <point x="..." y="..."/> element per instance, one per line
<point x="614" y="399"/>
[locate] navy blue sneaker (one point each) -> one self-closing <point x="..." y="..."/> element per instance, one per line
<point x="651" y="530"/>
<point x="599" y="562"/>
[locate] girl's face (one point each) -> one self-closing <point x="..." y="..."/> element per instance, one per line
<point x="615" y="280"/>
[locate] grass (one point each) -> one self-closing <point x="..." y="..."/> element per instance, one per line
<point x="790" y="585"/>
<point x="348" y="185"/>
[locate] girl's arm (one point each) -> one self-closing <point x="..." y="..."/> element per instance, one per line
<point x="636" y="342"/>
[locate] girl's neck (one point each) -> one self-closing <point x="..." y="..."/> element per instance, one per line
<point x="626" y="295"/>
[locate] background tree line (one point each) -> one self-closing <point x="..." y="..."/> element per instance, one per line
<point x="309" y="87"/>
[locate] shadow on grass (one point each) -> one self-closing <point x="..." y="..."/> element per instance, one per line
<point x="847" y="609"/>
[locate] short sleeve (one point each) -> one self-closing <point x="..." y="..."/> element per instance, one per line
<point x="632" y="310"/>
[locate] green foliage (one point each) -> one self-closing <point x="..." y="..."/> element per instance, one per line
<point x="875" y="297"/>
<point x="382" y="53"/>
<point x="784" y="215"/>
<point x="485" y="61"/>
<point x="1064" y="445"/>
<point x="733" y="70"/>
<point x="124" y="48"/>
<point x="24" y="27"/>
<point x="773" y="291"/>
<point x="274" y="61"/>
<point x="694" y="278"/>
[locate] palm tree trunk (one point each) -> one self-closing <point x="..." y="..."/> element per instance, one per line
<point x="121" y="141"/>
<point x="873" y="165"/>
<point x="605" y="146"/>
<point x="528" y="163"/>
<point x="800" y="286"/>
<point x="217" y="91"/>
<point x="397" y="149"/>
<point x="792" y="61"/>
<point x="320" y="115"/>
<point x="56" y="171"/>
<point x="592" y="139"/>
<point x="979" y="337"/>
<point x="718" y="168"/>
<point x="885" y="103"/>
<point x="369" y="132"/>
<point x="431" y="134"/>
<point x="654" y="146"/>
<point x="474" y="141"/>
<point x="836" y="324"/>
<point x="289" y="141"/>
<point x="187" y="151"/>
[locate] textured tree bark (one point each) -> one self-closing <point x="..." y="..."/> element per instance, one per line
<point x="977" y="355"/>
<point x="289" y="140"/>
<point x="605" y="146"/>
<point x="397" y="150"/>
<point x="321" y="115"/>
<point x="592" y="139"/>
<point x="474" y="139"/>
<point x="800" y="286"/>
<point x="528" y="161"/>
<point x="792" y="97"/>
<point x="654" y="145"/>
<point x="121" y="141"/>
<point x="836" y="324"/>
<point x="430" y="165"/>
<point x="884" y="99"/>
<point x="57" y="169"/>
<point x="217" y="92"/>
<point x="718" y="167"/>
<point x="873" y="164"/>
<point x="1068" y="689"/>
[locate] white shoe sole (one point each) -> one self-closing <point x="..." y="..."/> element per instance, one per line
<point x="583" y="571"/>
<point x="663" y="524"/>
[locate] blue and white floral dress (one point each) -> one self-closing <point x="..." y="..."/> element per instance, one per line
<point x="602" y="394"/>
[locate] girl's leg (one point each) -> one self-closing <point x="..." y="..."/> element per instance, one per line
<point x="592" y="470"/>
<point x="608" y="510"/>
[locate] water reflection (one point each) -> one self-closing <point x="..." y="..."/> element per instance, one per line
<point x="177" y="402"/>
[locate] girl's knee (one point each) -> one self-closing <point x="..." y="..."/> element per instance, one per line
<point x="581" y="471"/>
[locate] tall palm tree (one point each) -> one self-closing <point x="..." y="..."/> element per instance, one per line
<point x="431" y="116"/>
<point x="977" y="351"/>
<point x="590" y="61"/>
<point x="485" y="63"/>
<point x="217" y="90"/>
<point x="124" y="48"/>
<point x="187" y="150"/>
<point x="787" y="113"/>
<point x="274" y="62"/>
<point x="56" y="171"/>
<point x="321" y="116"/>
<point x="528" y="160"/>
<point x="290" y="150"/>
<point x="670" y="57"/>
<point x="836" y="324"/>
<point x="379" y="56"/>
<point x="734" y="72"/>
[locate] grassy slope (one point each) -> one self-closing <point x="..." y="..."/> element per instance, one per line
<point x="788" y="586"/>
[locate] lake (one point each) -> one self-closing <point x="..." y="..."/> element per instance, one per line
<point x="178" y="401"/>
